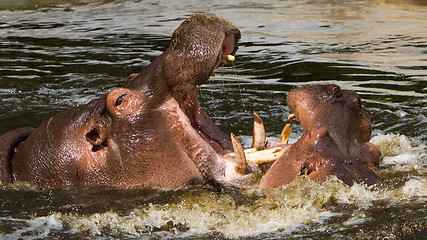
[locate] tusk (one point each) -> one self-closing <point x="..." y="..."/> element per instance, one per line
<point x="260" y="157"/>
<point x="259" y="137"/>
<point x="291" y="117"/>
<point x="225" y="58"/>
<point x="240" y="157"/>
<point x="231" y="58"/>
<point x="284" y="138"/>
<point x="265" y="156"/>
<point x="250" y="150"/>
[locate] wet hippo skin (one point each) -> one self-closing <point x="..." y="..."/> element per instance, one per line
<point x="335" y="139"/>
<point x="152" y="133"/>
<point x="198" y="47"/>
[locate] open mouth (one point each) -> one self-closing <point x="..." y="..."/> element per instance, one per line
<point x="229" y="48"/>
<point x="190" y="104"/>
<point x="237" y="160"/>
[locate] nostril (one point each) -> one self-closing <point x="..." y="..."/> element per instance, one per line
<point x="95" y="138"/>
<point x="93" y="135"/>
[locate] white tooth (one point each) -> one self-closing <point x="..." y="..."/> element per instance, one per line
<point x="250" y="150"/>
<point x="240" y="157"/>
<point x="284" y="138"/>
<point x="258" y="157"/>
<point x="291" y="116"/>
<point x="265" y="156"/>
<point x="247" y="151"/>
<point x="231" y="58"/>
<point x="225" y="58"/>
<point x="259" y="137"/>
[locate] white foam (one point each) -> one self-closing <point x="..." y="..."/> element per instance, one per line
<point x="283" y="210"/>
<point x="357" y="219"/>
<point x="42" y="226"/>
<point x="415" y="188"/>
<point x="400" y="150"/>
<point x="212" y="213"/>
<point x="391" y="144"/>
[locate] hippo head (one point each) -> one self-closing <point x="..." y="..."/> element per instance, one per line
<point x="317" y="106"/>
<point x="335" y="139"/>
<point x="152" y="133"/>
<point x="119" y="140"/>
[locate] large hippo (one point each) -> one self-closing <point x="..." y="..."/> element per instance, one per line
<point x="152" y="133"/>
<point x="335" y="139"/>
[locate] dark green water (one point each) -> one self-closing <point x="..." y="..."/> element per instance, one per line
<point x="55" y="55"/>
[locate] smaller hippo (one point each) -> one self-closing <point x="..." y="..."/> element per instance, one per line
<point x="335" y="139"/>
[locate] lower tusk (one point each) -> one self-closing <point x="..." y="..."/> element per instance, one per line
<point x="291" y="117"/>
<point x="240" y="157"/>
<point x="284" y="138"/>
<point x="259" y="157"/>
<point x="259" y="137"/>
<point x="250" y="150"/>
<point x="265" y="156"/>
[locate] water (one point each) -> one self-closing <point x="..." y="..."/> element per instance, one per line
<point x="56" y="54"/>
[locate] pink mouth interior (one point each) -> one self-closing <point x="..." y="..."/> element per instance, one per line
<point x="191" y="107"/>
<point x="228" y="46"/>
<point x="199" y="120"/>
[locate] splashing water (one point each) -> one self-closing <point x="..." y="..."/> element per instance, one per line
<point x="301" y="207"/>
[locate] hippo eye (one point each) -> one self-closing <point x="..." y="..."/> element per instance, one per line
<point x="119" y="100"/>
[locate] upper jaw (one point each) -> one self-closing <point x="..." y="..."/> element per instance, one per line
<point x="189" y="100"/>
<point x="226" y="53"/>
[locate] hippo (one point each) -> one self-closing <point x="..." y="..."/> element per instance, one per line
<point x="334" y="142"/>
<point x="151" y="133"/>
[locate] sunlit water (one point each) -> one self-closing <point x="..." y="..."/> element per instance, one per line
<point x="55" y="55"/>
